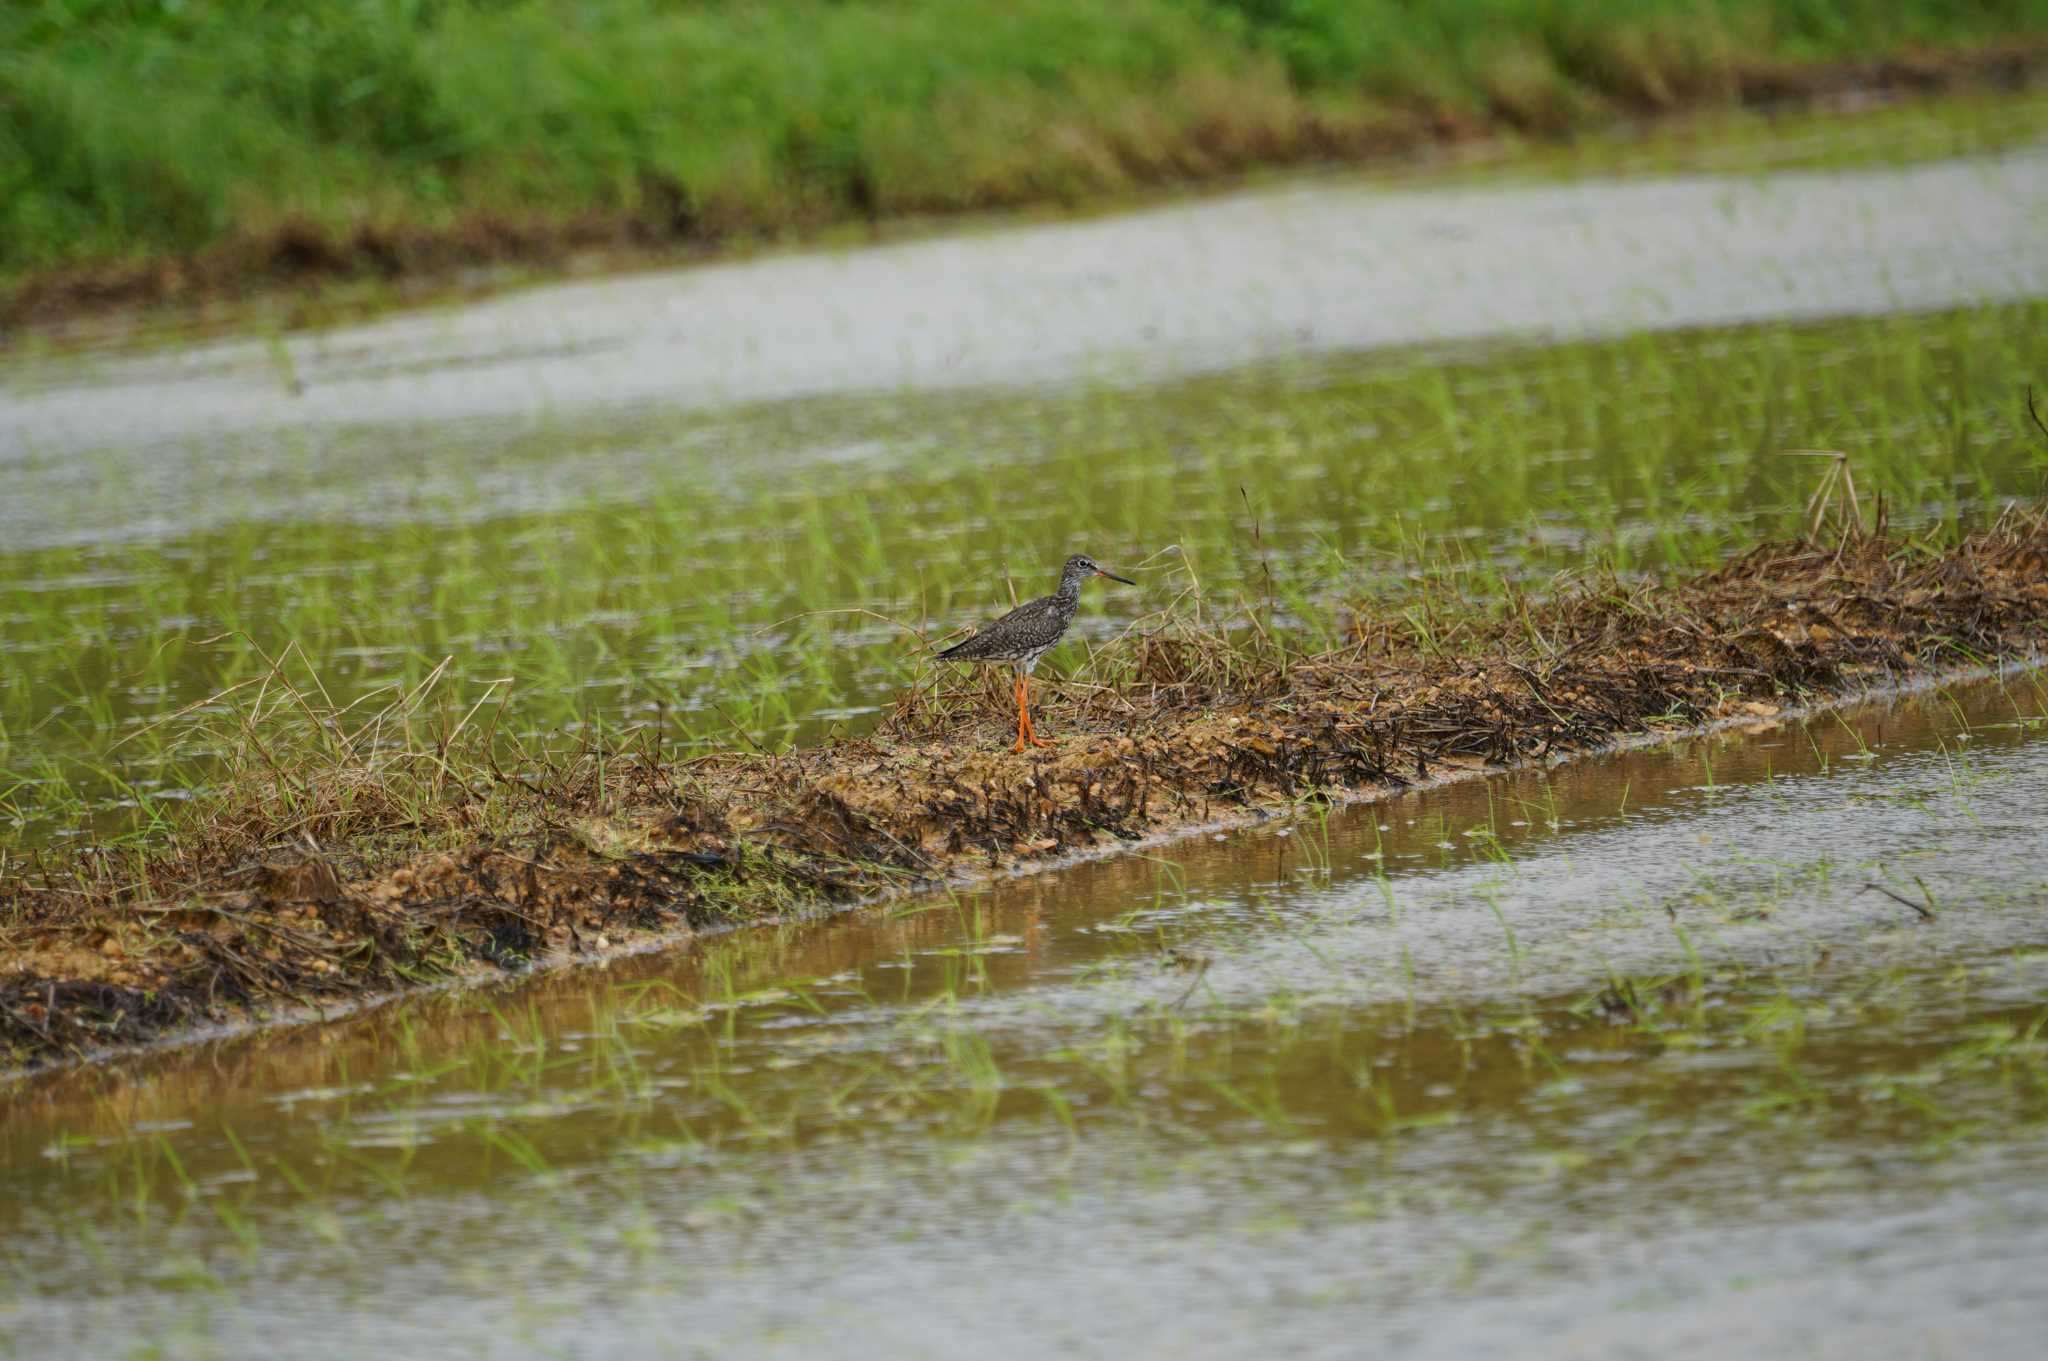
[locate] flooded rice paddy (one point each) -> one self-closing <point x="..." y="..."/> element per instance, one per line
<point x="1563" y="1062"/>
<point x="1734" y="1047"/>
<point x="762" y="575"/>
<point x="639" y="500"/>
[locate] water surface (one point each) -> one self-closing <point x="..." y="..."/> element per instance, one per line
<point x="1311" y="267"/>
<point x="1613" y="1058"/>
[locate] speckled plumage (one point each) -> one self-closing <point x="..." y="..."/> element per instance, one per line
<point x="1030" y="631"/>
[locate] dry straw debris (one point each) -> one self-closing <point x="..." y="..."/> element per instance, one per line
<point x="350" y="857"/>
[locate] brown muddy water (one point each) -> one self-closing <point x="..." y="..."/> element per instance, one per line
<point x="1620" y="1058"/>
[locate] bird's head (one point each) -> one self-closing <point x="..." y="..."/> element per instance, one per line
<point x="1080" y="567"/>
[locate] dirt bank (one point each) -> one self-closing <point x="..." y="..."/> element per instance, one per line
<point x="254" y="910"/>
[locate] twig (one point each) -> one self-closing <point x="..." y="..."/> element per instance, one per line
<point x="740" y="732"/>
<point x="1926" y="913"/>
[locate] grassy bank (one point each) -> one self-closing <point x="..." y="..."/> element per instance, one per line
<point x="354" y="852"/>
<point x="152" y="149"/>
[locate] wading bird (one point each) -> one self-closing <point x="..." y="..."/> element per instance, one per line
<point x="1027" y="633"/>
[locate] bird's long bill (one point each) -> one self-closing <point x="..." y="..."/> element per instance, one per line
<point x="1114" y="577"/>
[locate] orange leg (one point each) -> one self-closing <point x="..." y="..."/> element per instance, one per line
<point x="1023" y="720"/>
<point x="1030" y="734"/>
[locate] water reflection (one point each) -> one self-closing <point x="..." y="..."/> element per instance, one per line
<point x="1612" y="1044"/>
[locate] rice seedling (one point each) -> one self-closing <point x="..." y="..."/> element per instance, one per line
<point x="583" y="619"/>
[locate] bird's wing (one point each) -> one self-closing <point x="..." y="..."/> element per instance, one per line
<point x="997" y="634"/>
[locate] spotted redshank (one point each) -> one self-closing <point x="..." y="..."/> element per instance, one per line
<point x="1027" y="633"/>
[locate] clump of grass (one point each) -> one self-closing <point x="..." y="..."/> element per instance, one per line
<point x="265" y="142"/>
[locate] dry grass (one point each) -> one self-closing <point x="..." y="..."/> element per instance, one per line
<point x="357" y="851"/>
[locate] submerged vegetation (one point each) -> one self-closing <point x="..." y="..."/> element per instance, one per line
<point x="353" y="851"/>
<point x="1239" y="1022"/>
<point x="762" y="577"/>
<point x="149" y="148"/>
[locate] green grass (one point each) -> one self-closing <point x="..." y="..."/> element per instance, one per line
<point x="133" y="129"/>
<point x="667" y="585"/>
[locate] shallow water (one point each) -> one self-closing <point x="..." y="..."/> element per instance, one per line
<point x="769" y="571"/>
<point x="1307" y="268"/>
<point x="1616" y="1058"/>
